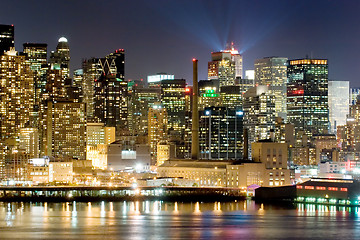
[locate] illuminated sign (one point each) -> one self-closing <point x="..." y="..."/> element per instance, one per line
<point x="159" y="77"/>
<point x="210" y="95"/>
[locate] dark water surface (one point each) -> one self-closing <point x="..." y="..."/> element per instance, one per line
<point x="162" y="220"/>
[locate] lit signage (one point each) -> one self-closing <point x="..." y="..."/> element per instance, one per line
<point x="159" y="77"/>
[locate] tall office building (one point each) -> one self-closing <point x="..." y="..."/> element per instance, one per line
<point x="111" y="102"/>
<point x="338" y="103"/>
<point x="307" y="95"/>
<point x="173" y="100"/>
<point x="157" y="128"/>
<point x="55" y="86"/>
<point x="271" y="71"/>
<point x="354" y="93"/>
<point x="16" y="95"/>
<point x="92" y="70"/>
<point x="16" y="101"/>
<point x="60" y="59"/>
<point x="231" y="97"/>
<point x="225" y="66"/>
<point x="221" y="133"/>
<point x="141" y="100"/>
<point x="6" y="38"/>
<point x="95" y="70"/>
<point x="259" y="114"/>
<point x="118" y="58"/>
<point x="36" y="55"/>
<point x="65" y="130"/>
<point x="209" y="94"/>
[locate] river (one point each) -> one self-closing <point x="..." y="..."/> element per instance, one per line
<point x="164" y="220"/>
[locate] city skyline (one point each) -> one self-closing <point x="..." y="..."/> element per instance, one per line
<point x="193" y="29"/>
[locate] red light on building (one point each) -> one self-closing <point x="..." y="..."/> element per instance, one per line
<point x="320" y="188"/>
<point x="333" y="188"/>
<point x="187" y="89"/>
<point x="299" y="187"/>
<point x="309" y="187"/>
<point x="194" y="59"/>
<point x="343" y="189"/>
<point x="298" y="92"/>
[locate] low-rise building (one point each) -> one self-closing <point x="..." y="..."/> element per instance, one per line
<point x="61" y="172"/>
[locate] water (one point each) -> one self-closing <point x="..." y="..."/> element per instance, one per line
<point x="161" y="220"/>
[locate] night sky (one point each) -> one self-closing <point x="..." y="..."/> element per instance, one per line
<point x="163" y="36"/>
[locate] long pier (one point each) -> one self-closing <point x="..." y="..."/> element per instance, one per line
<point x="85" y="193"/>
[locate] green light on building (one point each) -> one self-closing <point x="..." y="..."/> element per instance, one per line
<point x="210" y="95"/>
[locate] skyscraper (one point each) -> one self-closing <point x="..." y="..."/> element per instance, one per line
<point x="36" y="55"/>
<point x="16" y="95"/>
<point x="16" y="101"/>
<point x="231" y="97"/>
<point x="221" y="133"/>
<point x="259" y="114"/>
<point x="141" y="100"/>
<point x="271" y="71"/>
<point x="338" y="103"/>
<point x="96" y="70"/>
<point x="157" y="128"/>
<point x="173" y="100"/>
<point x="209" y="94"/>
<point x="92" y="70"/>
<point x="65" y="133"/>
<point x="6" y="38"/>
<point x="60" y="58"/>
<point x="225" y="66"/>
<point x="118" y="58"/>
<point x="111" y="102"/>
<point x="307" y="95"/>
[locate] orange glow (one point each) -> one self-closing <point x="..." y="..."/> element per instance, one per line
<point x="194" y="59"/>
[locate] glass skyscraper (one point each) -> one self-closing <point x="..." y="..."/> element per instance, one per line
<point x="307" y="95"/>
<point x="271" y="71"/>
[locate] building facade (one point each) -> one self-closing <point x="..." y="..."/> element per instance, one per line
<point x="338" y="103"/>
<point x="307" y="95"/>
<point x="221" y="133"/>
<point x="271" y="71"/>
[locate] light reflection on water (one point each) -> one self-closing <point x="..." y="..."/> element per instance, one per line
<point x="176" y="220"/>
